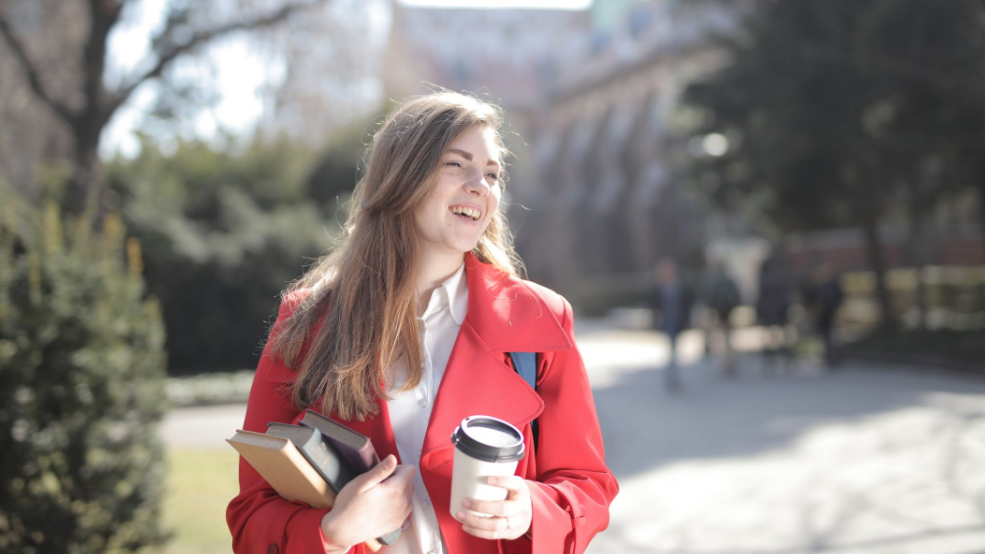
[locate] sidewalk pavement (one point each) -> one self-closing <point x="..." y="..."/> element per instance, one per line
<point x="865" y="460"/>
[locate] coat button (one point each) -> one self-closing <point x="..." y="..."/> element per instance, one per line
<point x="273" y="549"/>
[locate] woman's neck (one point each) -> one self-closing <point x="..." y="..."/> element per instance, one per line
<point x="435" y="269"/>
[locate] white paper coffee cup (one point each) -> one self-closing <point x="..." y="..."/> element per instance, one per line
<point x="484" y="447"/>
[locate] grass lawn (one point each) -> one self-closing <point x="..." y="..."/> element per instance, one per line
<point x="200" y="484"/>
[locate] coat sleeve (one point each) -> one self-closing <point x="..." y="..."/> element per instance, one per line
<point x="574" y="487"/>
<point x="260" y="520"/>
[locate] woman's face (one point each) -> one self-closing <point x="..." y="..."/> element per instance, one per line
<point x="465" y="197"/>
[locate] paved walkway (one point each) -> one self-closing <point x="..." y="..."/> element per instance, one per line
<point x="865" y="460"/>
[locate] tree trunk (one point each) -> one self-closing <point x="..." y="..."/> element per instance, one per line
<point x="85" y="186"/>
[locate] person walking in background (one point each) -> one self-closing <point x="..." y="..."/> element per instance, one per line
<point x="772" y="309"/>
<point x="672" y="302"/>
<point x="720" y="295"/>
<point x="822" y="298"/>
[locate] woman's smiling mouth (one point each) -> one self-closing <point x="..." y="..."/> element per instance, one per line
<point x="466" y="212"/>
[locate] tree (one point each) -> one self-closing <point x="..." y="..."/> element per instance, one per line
<point x="86" y="111"/>
<point x="833" y="111"/>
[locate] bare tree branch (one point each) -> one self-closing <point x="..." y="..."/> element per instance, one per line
<point x="34" y="79"/>
<point x="202" y="37"/>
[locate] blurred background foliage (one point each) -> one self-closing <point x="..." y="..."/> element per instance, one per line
<point x="82" y="368"/>
<point x="849" y="113"/>
<point x="224" y="232"/>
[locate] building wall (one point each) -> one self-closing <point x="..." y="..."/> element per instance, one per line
<point x="604" y="196"/>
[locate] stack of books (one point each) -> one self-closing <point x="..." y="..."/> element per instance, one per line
<point x="310" y="462"/>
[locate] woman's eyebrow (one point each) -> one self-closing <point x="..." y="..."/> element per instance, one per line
<point x="468" y="156"/>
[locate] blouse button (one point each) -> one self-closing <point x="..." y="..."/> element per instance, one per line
<point x="427" y="504"/>
<point x="422" y="402"/>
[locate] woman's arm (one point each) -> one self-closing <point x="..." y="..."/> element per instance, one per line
<point x="574" y="488"/>
<point x="262" y="521"/>
<point x="259" y="518"/>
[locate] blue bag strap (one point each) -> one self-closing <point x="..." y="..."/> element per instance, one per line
<point x="525" y="365"/>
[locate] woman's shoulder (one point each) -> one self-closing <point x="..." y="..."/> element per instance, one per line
<point x="558" y="304"/>
<point x="291" y="299"/>
<point x="503" y="284"/>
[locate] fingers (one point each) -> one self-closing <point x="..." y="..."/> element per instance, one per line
<point x="516" y="497"/>
<point x="382" y="470"/>
<point x="489" y="528"/>
<point x="403" y="474"/>
<point x="514" y="484"/>
<point x="495" y="527"/>
<point x="500" y="508"/>
<point x="498" y="519"/>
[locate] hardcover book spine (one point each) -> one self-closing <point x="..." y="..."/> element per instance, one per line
<point x="325" y="461"/>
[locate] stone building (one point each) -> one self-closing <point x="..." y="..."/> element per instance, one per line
<point x="591" y="94"/>
<point x="603" y="189"/>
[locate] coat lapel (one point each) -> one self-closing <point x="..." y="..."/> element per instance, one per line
<point x="504" y="315"/>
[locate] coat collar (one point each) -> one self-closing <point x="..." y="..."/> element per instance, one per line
<point x="507" y="314"/>
<point x="504" y="315"/>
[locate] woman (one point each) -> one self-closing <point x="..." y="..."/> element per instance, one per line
<point x="406" y="329"/>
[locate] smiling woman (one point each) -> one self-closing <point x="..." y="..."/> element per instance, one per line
<point x="406" y="329"/>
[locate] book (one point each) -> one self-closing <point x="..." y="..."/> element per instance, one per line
<point x="288" y="471"/>
<point x="280" y="462"/>
<point x="355" y="448"/>
<point x="312" y="445"/>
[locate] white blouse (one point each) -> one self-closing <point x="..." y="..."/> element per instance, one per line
<point x="410" y="410"/>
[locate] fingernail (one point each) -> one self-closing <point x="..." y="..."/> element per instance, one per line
<point x="460" y="515"/>
<point x="466" y="503"/>
<point x="491" y="480"/>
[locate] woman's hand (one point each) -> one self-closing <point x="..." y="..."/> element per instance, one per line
<point x="511" y="517"/>
<point x="371" y="505"/>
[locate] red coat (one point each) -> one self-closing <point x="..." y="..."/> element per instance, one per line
<point x="575" y="488"/>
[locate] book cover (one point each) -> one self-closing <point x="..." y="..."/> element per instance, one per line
<point x="284" y="467"/>
<point x="312" y="446"/>
<point x="354" y="447"/>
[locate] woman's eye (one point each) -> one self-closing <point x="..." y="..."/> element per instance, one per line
<point x="453" y="164"/>
<point x="493" y="176"/>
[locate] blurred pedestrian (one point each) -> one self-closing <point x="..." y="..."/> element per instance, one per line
<point x="773" y="302"/>
<point x="822" y="298"/>
<point x="720" y="296"/>
<point x="672" y="301"/>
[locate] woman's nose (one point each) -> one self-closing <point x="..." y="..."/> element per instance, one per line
<point x="477" y="184"/>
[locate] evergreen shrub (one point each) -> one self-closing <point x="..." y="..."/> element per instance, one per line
<point x="82" y="368"/>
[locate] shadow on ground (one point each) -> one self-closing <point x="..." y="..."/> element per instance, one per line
<point x="645" y="427"/>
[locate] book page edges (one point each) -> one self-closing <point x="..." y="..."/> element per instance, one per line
<point x="278" y="461"/>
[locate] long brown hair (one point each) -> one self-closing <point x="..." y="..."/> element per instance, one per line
<point x="368" y="281"/>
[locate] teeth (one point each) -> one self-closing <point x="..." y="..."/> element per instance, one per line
<point x="466" y="211"/>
